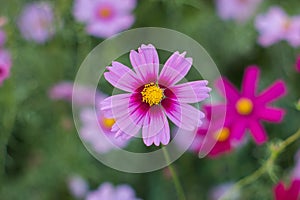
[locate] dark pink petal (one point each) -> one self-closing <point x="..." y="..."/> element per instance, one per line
<point x="122" y="77"/>
<point x="175" y="69"/>
<point x="272" y="93"/>
<point x="238" y="129"/>
<point x="294" y="190"/>
<point x="279" y="191"/>
<point x="220" y="148"/>
<point x="250" y="81"/>
<point x="258" y="132"/>
<point x="145" y="63"/>
<point x="191" y="92"/>
<point x="156" y="127"/>
<point x="182" y="115"/>
<point x="298" y="64"/>
<point x="227" y="90"/>
<point x="271" y="114"/>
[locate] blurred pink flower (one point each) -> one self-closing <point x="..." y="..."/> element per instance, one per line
<point x="238" y="10"/>
<point x="95" y="130"/>
<point x="296" y="170"/>
<point x="221" y="190"/>
<point x="291" y="193"/>
<point x="64" y="91"/>
<point x="107" y="191"/>
<point x="78" y="186"/>
<point x="5" y="65"/>
<point x="104" y="18"/>
<point x="276" y="25"/>
<point x="246" y="109"/>
<point x="152" y="97"/>
<point x="36" y="22"/>
<point x="298" y="64"/>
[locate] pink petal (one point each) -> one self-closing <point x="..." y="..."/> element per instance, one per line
<point x="115" y="106"/>
<point x="156" y="129"/>
<point x="122" y="77"/>
<point x="298" y="64"/>
<point x="191" y="92"/>
<point x="258" y="132"/>
<point x="182" y="115"/>
<point x="238" y="130"/>
<point x="279" y="191"/>
<point x="294" y="190"/>
<point x="145" y="63"/>
<point x="175" y="69"/>
<point x="227" y="90"/>
<point x="271" y="114"/>
<point x="126" y="128"/>
<point x="272" y="93"/>
<point x="250" y="81"/>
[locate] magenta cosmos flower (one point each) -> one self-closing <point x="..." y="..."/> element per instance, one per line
<point x="246" y="109"/>
<point x="108" y="192"/>
<point x="151" y="98"/>
<point x="5" y="65"/>
<point x="36" y="22"/>
<point x="298" y="64"/>
<point x="276" y="25"/>
<point x="238" y="10"/>
<point x="291" y="193"/>
<point x="104" y="18"/>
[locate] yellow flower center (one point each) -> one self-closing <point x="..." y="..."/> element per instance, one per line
<point x="222" y="134"/>
<point x="244" y="106"/>
<point x="105" y="12"/>
<point x="152" y="94"/>
<point x="108" y="122"/>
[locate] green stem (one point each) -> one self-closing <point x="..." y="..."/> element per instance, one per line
<point x="176" y="181"/>
<point x="276" y="150"/>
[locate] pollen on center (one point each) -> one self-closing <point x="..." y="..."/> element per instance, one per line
<point x="244" y="106"/>
<point x="105" y="12"/>
<point x="222" y="134"/>
<point x="152" y="94"/>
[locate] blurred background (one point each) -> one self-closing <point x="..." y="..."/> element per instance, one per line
<point x="40" y="147"/>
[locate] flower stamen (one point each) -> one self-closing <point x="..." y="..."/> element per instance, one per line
<point x="222" y="135"/>
<point x="152" y="94"/>
<point x="108" y="122"/>
<point x="244" y="106"/>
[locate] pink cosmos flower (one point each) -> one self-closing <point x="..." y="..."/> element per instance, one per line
<point x="5" y="65"/>
<point x="298" y="64"/>
<point x="104" y="18"/>
<point x="151" y="98"/>
<point x="36" y="22"/>
<point x="238" y="10"/>
<point x="246" y="109"/>
<point x="276" y="25"/>
<point x="291" y="193"/>
<point x="108" y="192"/>
<point x="220" y="191"/>
<point x="64" y="91"/>
<point x="78" y="186"/>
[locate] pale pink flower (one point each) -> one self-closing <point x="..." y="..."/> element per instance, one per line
<point x="107" y="191"/>
<point x="238" y="10"/>
<point x="104" y="18"/>
<point x="36" y="22"/>
<point x="78" y="186"/>
<point x="276" y="25"/>
<point x="64" y="91"/>
<point x="5" y="65"/>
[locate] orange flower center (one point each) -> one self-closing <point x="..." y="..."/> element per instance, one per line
<point x="152" y="94"/>
<point x="105" y="12"/>
<point x="108" y="122"/>
<point x="222" y="135"/>
<point x="244" y="106"/>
